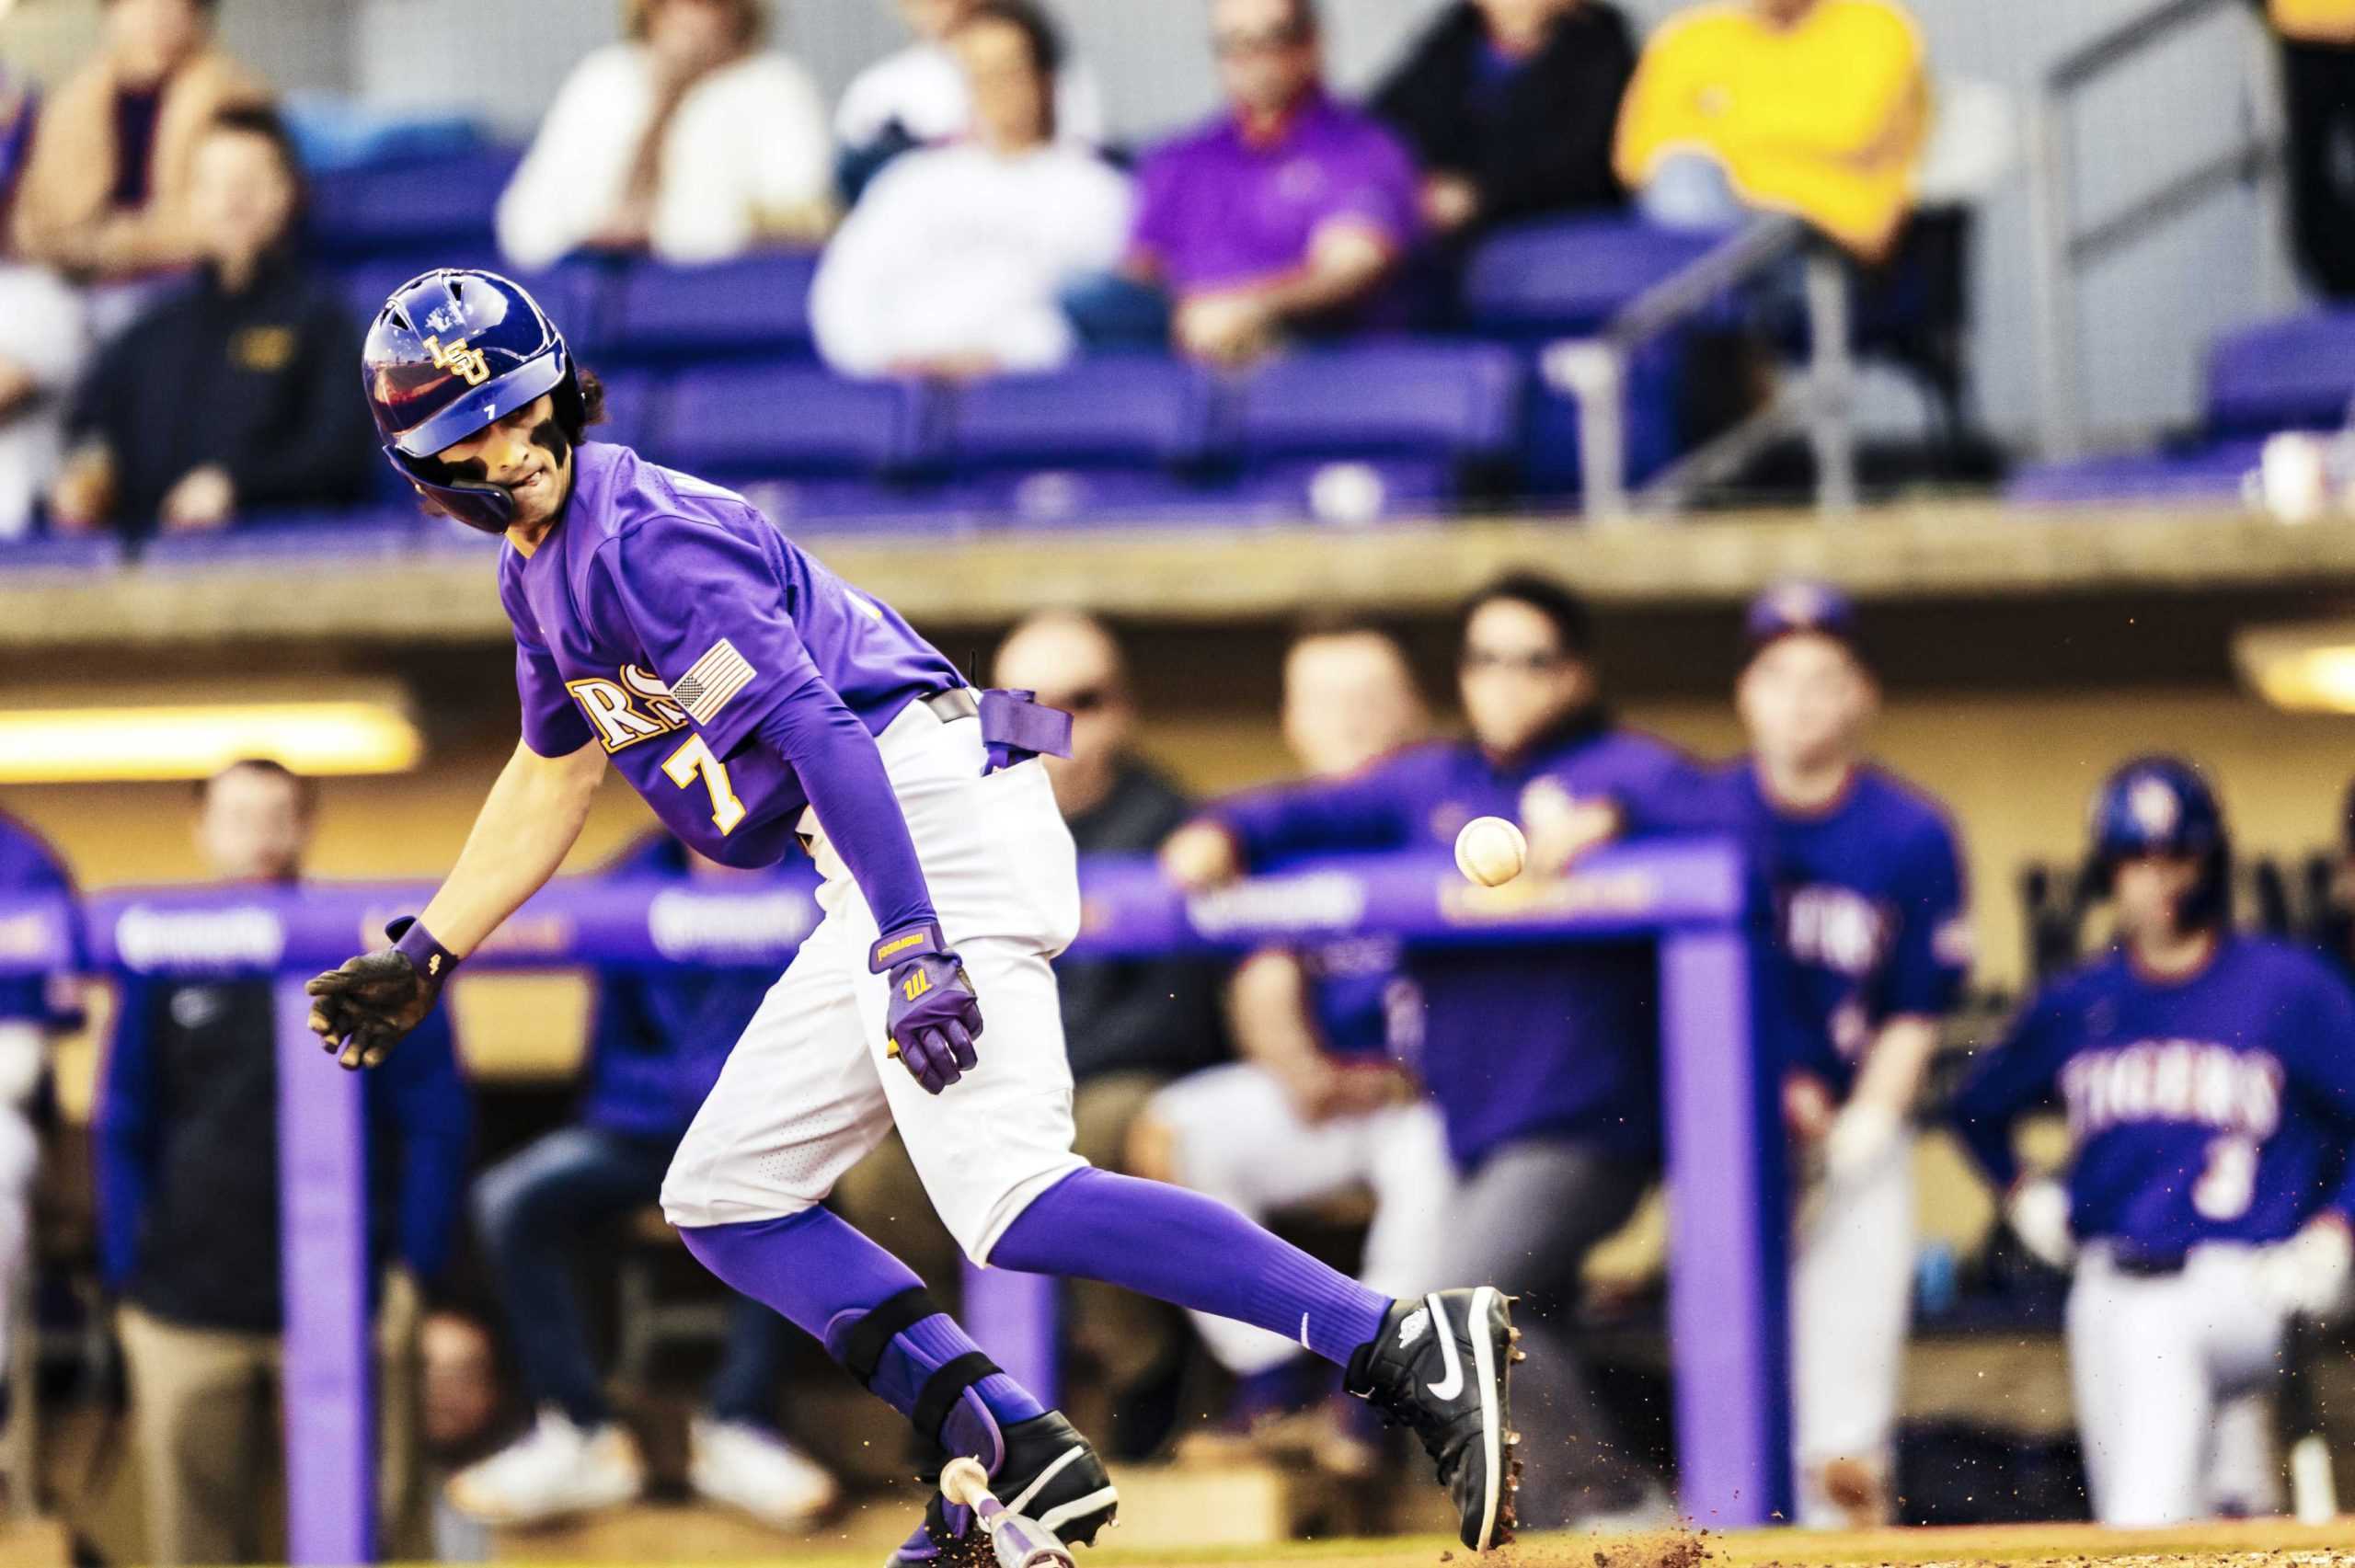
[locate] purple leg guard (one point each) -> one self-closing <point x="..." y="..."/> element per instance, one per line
<point x="872" y="1314"/>
<point x="1193" y="1252"/>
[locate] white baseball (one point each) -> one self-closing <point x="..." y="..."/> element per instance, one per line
<point x="1490" y="851"/>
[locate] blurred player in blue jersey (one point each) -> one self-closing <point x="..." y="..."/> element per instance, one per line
<point x="2209" y="1080"/>
<point x="1867" y="893"/>
<point x="1544" y="1062"/>
<point x="665" y="627"/>
<point x="31" y="1009"/>
<point x="1325" y="1100"/>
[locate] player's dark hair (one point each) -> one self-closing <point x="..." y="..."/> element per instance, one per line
<point x="593" y="401"/>
<point x="307" y="790"/>
<point x="260" y="120"/>
<point x="1573" y="622"/>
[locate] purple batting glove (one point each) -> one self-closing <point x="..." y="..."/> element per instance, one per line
<point x="933" y="1017"/>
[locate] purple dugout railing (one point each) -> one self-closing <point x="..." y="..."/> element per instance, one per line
<point x="1727" y="1315"/>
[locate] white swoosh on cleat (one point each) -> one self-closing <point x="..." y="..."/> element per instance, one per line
<point x="1451" y="1384"/>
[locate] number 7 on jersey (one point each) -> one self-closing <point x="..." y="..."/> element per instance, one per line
<point x="695" y="758"/>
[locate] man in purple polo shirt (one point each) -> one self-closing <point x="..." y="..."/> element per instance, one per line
<point x="1289" y="214"/>
<point x="664" y="626"/>
<point x="1543" y="1062"/>
<point x="31" y="1009"/>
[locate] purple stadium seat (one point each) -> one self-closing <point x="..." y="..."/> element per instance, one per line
<point x="2294" y="374"/>
<point x="1567" y="277"/>
<point x="633" y="410"/>
<point x="61" y="552"/>
<point x="1133" y="411"/>
<point x="787" y="421"/>
<point x="268" y="536"/>
<point x="1427" y="400"/>
<point x="411" y="206"/>
<point x="860" y="507"/>
<point x="1082" y="498"/>
<point x="758" y="307"/>
<point x="2210" y="475"/>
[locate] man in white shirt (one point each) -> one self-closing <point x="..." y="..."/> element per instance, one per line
<point x="42" y="346"/>
<point x="918" y="96"/>
<point x="952" y="263"/>
<point x="687" y="140"/>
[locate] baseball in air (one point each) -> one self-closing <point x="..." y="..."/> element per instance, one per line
<point x="1490" y="851"/>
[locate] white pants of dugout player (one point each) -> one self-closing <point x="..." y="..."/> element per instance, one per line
<point x="807" y="1091"/>
<point x="1851" y="1287"/>
<point x="1234" y="1136"/>
<point x="2170" y="1373"/>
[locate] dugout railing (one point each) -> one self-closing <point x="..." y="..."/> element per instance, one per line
<point x="1727" y="1315"/>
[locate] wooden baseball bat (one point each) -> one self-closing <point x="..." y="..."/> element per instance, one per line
<point x="1018" y="1541"/>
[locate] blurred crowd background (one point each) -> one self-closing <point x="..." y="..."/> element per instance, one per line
<point x="931" y="279"/>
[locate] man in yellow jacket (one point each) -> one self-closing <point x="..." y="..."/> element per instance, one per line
<point x="2319" y="82"/>
<point x="1818" y="107"/>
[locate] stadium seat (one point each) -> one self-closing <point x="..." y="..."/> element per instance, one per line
<point x="755" y="308"/>
<point x="1400" y="399"/>
<point x="414" y="207"/>
<point x="787" y="421"/>
<point x="275" y="536"/>
<point x="60" y="552"/>
<point x="1567" y="277"/>
<point x="2210" y="475"/>
<point x="1105" y="439"/>
<point x="2282" y="375"/>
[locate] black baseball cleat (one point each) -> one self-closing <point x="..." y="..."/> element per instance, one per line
<point x="1443" y="1366"/>
<point x="1051" y="1475"/>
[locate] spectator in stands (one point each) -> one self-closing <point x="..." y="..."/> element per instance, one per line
<point x="657" y="1047"/>
<point x="2318" y="84"/>
<point x="110" y="187"/>
<point x="20" y="107"/>
<point x="42" y="347"/>
<point x="954" y="261"/>
<point x="1544" y="1064"/>
<point x="31" y="1010"/>
<point x="187" y="1150"/>
<point x="1290" y="214"/>
<point x="234" y="393"/>
<point x="1510" y="107"/>
<point x="1322" y="1102"/>
<point x="1818" y="107"/>
<point x="687" y="139"/>
<point x="1130" y="1025"/>
<point x="921" y="96"/>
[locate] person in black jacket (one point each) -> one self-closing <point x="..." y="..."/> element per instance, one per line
<point x="234" y="393"/>
<point x="1510" y="106"/>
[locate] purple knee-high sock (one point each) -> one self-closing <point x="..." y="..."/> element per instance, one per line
<point x="825" y="1276"/>
<point x="1194" y="1252"/>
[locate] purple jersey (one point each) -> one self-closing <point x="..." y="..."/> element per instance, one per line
<point x="1535" y="1043"/>
<point x="666" y="620"/>
<point x="2219" y="1108"/>
<point x="1868" y="902"/>
<point x="28" y="868"/>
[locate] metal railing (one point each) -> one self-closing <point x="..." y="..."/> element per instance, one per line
<point x="1596" y="372"/>
<point x="2061" y="250"/>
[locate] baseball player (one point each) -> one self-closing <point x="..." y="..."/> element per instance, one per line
<point x="1545" y="1063"/>
<point x="1322" y="1101"/>
<point x="2209" y="1084"/>
<point x="1867" y="890"/>
<point x="31" y="1010"/>
<point x="664" y="626"/>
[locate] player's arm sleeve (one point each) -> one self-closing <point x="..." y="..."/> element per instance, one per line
<point x="1366" y="811"/>
<point x="432" y="1116"/>
<point x="126" y="1129"/>
<point x="1931" y="957"/>
<point x="2012" y="1080"/>
<point x="323" y="457"/>
<point x="709" y="608"/>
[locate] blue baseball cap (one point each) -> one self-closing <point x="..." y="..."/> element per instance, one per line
<point x="1791" y="608"/>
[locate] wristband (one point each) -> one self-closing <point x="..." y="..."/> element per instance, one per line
<point x="413" y="942"/>
<point x="908" y="941"/>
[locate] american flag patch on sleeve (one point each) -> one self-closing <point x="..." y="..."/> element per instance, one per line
<point x="718" y="675"/>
